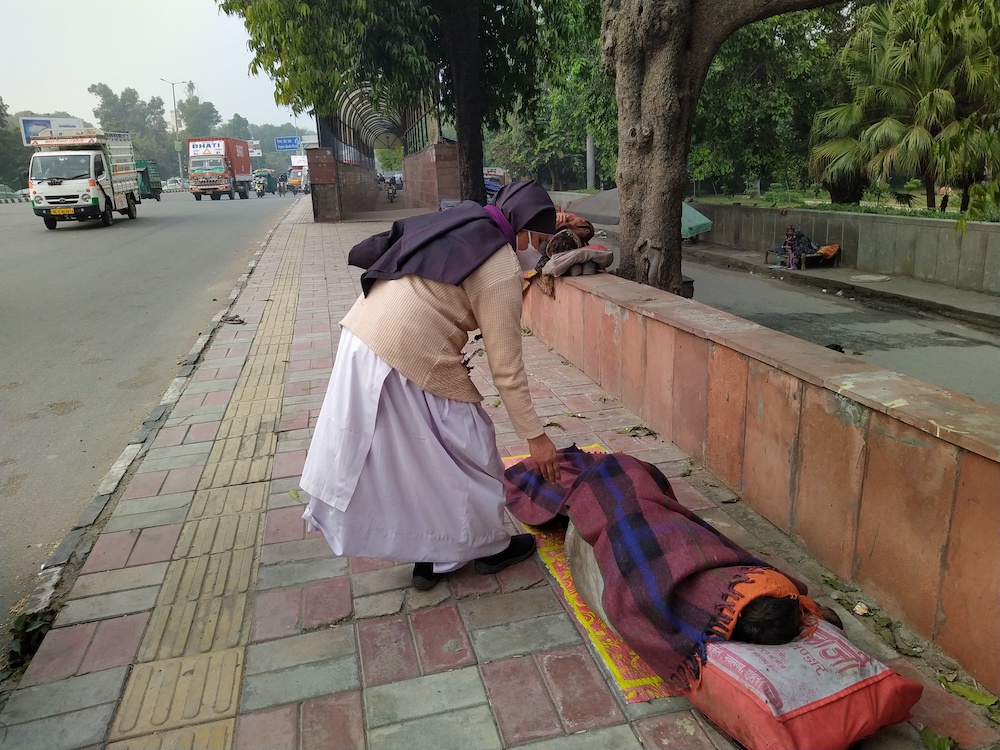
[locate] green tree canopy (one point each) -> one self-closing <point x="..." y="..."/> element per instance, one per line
<point x="476" y="58"/>
<point x="237" y="127"/>
<point x="200" y="118"/>
<point x="762" y="90"/>
<point x="14" y="156"/>
<point x="390" y="159"/>
<point x="925" y="100"/>
<point x="144" y="120"/>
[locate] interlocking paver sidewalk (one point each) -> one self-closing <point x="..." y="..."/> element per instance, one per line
<point x="207" y="616"/>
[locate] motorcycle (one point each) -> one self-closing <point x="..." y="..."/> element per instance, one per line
<point x="281" y="188"/>
<point x="391" y="192"/>
<point x="260" y="188"/>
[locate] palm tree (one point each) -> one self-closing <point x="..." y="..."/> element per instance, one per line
<point x="925" y="79"/>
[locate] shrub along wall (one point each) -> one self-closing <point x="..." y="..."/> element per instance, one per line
<point x="889" y="481"/>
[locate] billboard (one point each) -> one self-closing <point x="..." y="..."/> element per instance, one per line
<point x="32" y="126"/>
<point x="206" y="148"/>
<point x="298" y="161"/>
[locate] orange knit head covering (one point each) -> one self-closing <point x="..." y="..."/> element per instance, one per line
<point x="769" y="582"/>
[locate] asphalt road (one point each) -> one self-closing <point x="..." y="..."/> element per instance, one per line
<point x="939" y="350"/>
<point x="93" y="323"/>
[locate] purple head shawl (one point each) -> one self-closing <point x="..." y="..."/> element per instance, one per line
<point x="450" y="245"/>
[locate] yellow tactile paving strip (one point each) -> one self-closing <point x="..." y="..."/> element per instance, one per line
<point x="185" y="688"/>
<point x="212" y="735"/>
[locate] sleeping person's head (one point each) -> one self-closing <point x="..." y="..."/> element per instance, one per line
<point x="769" y="621"/>
<point x="768" y="609"/>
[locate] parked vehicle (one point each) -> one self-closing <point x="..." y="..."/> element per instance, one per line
<point x="219" y="166"/>
<point x="298" y="179"/>
<point x="148" y="173"/>
<point x="265" y="182"/>
<point x="79" y="174"/>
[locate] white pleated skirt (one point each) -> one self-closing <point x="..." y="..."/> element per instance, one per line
<point x="399" y="474"/>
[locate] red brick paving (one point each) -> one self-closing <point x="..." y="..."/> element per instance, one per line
<point x="155" y="544"/>
<point x="680" y="730"/>
<point x="522" y="575"/>
<point x="326" y="602"/>
<point x="115" y="643"/>
<point x="284" y="525"/>
<point x="181" y="480"/>
<point x="688" y="496"/>
<point x="270" y="729"/>
<point x="276" y="614"/>
<point x="333" y="721"/>
<point x="442" y="640"/>
<point x="111" y="551"/>
<point x="170" y="436"/>
<point x="60" y="654"/>
<point x="520" y="701"/>
<point x="147" y="484"/>
<point x="202" y="432"/>
<point x="364" y="564"/>
<point x="467" y="582"/>
<point x="288" y="464"/>
<point x="387" y="652"/>
<point x="581" y="696"/>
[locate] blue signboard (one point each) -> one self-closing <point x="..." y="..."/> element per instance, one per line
<point x="287" y="143"/>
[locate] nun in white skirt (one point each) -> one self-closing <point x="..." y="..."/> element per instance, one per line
<point x="403" y="464"/>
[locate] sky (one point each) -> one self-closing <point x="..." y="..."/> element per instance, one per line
<point x="51" y="55"/>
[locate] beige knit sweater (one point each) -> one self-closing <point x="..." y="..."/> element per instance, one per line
<point x="419" y="327"/>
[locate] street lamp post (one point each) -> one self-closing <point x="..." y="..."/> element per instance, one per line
<point x="177" y="124"/>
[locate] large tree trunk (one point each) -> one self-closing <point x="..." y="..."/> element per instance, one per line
<point x="460" y="21"/>
<point x="659" y="52"/>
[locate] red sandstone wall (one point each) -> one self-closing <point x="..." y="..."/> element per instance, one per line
<point x="889" y="481"/>
<point x="430" y="175"/>
<point x="358" y="191"/>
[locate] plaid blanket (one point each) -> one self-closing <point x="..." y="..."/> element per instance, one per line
<point x="668" y="575"/>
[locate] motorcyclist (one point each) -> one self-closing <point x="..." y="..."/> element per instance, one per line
<point x="282" y="183"/>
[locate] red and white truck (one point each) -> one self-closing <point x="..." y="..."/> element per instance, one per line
<point x="219" y="166"/>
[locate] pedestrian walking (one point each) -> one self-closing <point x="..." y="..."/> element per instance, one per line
<point x="403" y="464"/>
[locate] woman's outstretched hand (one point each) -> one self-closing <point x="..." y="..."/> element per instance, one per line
<point x="543" y="453"/>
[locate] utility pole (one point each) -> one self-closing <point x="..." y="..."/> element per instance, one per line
<point x="177" y="125"/>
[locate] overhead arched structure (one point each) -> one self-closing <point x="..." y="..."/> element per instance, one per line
<point x="379" y="128"/>
<point x="359" y="127"/>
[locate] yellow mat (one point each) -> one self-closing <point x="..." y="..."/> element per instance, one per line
<point x="633" y="676"/>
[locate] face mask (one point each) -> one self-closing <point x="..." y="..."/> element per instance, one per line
<point x="528" y="258"/>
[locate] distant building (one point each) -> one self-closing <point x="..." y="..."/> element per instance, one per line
<point x="172" y="119"/>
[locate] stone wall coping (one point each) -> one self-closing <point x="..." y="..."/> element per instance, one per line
<point x="988" y="226"/>
<point x="947" y="415"/>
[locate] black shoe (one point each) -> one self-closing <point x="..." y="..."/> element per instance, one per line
<point x="521" y="547"/>
<point x="424" y="577"/>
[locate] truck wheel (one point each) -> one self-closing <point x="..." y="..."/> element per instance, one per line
<point x="244" y="195"/>
<point x="108" y="217"/>
<point x="216" y="196"/>
<point x="130" y="209"/>
<point x="50" y="223"/>
<point x="232" y="194"/>
<point x="157" y="196"/>
<point x="197" y="196"/>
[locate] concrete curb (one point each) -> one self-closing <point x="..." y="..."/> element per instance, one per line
<point x="52" y="570"/>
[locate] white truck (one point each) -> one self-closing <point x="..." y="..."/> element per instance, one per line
<point x="82" y="173"/>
